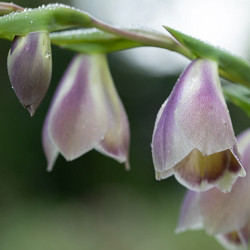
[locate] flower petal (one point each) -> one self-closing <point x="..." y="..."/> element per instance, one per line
<point x="201" y="114"/>
<point x="227" y="216"/>
<point x="190" y="215"/>
<point x="116" y="140"/>
<point x="233" y="207"/>
<point x="77" y="119"/>
<point x="168" y="145"/>
<point x="200" y="173"/>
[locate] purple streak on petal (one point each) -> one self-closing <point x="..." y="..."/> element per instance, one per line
<point x="77" y="117"/>
<point x="116" y="140"/>
<point x="190" y="215"/>
<point x="168" y="145"/>
<point x="14" y="43"/>
<point x="202" y="115"/>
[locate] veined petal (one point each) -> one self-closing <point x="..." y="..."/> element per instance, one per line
<point x="201" y="114"/>
<point x="77" y="117"/>
<point x="168" y="145"/>
<point x="116" y="140"/>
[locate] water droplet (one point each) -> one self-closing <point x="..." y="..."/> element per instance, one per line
<point x="47" y="54"/>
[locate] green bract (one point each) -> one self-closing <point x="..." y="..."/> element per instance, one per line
<point x="231" y="67"/>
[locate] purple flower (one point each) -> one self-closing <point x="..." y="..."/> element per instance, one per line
<point x="30" y="68"/>
<point x="86" y="113"/>
<point x="226" y="215"/>
<point x="193" y="136"/>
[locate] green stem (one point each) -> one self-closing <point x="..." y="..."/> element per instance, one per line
<point x="163" y="42"/>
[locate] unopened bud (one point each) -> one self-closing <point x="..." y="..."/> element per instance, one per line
<point x="30" y="68"/>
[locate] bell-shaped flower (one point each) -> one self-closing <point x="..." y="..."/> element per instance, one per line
<point x="30" y="68"/>
<point x="86" y="113"/>
<point x="193" y="136"/>
<point x="225" y="215"/>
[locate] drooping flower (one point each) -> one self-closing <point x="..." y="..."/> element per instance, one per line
<point x="193" y="136"/>
<point x="225" y="215"/>
<point x="30" y="68"/>
<point x="86" y="113"/>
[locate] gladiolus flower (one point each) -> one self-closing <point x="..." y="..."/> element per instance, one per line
<point x="225" y="215"/>
<point x="193" y="136"/>
<point x="30" y="68"/>
<point x="86" y="113"/>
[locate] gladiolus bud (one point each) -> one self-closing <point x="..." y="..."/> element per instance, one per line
<point x="30" y="68"/>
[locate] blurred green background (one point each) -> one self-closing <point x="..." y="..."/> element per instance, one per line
<point x="92" y="202"/>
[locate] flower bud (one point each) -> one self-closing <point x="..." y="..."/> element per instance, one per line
<point x="30" y="68"/>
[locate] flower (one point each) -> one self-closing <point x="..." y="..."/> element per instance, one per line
<point x="226" y="215"/>
<point x="193" y="136"/>
<point x="30" y="68"/>
<point x="86" y="113"/>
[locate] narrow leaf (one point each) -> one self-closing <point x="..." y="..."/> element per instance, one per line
<point x="231" y="67"/>
<point x="239" y="95"/>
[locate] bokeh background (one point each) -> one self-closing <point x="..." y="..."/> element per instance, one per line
<point x="92" y="203"/>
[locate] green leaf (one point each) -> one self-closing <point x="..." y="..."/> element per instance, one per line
<point x="46" y="18"/>
<point x="91" y="41"/>
<point x="239" y="95"/>
<point x="231" y="67"/>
